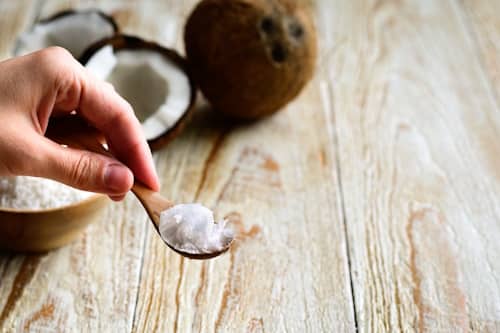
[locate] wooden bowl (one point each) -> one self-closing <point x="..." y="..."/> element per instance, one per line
<point x="47" y="229"/>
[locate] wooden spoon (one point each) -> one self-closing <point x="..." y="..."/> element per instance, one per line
<point x="74" y="132"/>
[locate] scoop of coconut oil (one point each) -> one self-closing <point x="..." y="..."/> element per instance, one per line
<point x="192" y="228"/>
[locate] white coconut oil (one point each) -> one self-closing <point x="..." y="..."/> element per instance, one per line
<point x="191" y="228"/>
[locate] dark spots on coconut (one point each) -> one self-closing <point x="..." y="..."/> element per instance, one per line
<point x="296" y="30"/>
<point x="267" y="25"/>
<point x="278" y="53"/>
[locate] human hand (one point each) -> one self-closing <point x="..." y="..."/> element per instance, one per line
<point x="51" y="82"/>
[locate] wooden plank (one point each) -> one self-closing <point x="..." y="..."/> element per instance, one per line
<point x="288" y="269"/>
<point x="276" y="180"/>
<point x="16" y="17"/>
<point x="88" y="286"/>
<point x="482" y="17"/>
<point x="19" y="15"/>
<point x="418" y="134"/>
<point x="91" y="285"/>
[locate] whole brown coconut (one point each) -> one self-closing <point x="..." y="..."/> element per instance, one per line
<point x="250" y="57"/>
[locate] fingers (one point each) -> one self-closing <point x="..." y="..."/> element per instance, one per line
<point x="114" y="117"/>
<point x="117" y="197"/>
<point x="97" y="102"/>
<point x="52" y="82"/>
<point x="82" y="169"/>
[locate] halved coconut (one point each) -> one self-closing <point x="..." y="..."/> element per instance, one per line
<point x="153" y="79"/>
<point x="73" y="30"/>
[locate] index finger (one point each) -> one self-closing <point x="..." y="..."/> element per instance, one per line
<point x="107" y="111"/>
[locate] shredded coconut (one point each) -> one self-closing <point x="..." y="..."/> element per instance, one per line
<point x="191" y="228"/>
<point x="33" y="193"/>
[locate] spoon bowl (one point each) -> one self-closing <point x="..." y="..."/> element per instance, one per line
<point x="154" y="204"/>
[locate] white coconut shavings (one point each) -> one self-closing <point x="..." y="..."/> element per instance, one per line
<point x="191" y="228"/>
<point x="31" y="193"/>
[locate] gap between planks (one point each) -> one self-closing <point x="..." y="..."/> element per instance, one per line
<point x="331" y="125"/>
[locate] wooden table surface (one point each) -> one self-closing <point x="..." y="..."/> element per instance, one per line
<point x="372" y="202"/>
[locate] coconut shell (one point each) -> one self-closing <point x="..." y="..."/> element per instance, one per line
<point x="126" y="42"/>
<point x="250" y="57"/>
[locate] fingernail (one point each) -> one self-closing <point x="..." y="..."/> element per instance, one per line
<point x="117" y="197"/>
<point x="115" y="177"/>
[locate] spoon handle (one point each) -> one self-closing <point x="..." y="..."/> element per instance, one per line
<point x="152" y="202"/>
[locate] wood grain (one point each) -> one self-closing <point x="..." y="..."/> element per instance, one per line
<point x="252" y="174"/>
<point x="277" y="183"/>
<point x="89" y="286"/>
<point x="394" y="144"/>
<point x="418" y="144"/>
<point x="482" y="18"/>
<point x="247" y="173"/>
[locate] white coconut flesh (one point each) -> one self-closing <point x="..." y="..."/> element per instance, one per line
<point x="157" y="88"/>
<point x="75" y="32"/>
<point x="191" y="228"/>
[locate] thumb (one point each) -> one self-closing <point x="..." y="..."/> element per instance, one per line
<point x="84" y="170"/>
